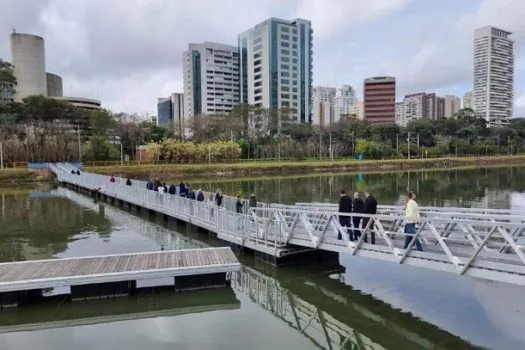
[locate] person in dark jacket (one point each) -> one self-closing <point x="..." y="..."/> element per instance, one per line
<point x="78" y="172"/>
<point x="190" y="193"/>
<point x="156" y="185"/>
<point x="345" y="206"/>
<point x="218" y="198"/>
<point x="200" y="195"/>
<point x="358" y="207"/>
<point x="239" y="205"/>
<point x="172" y="189"/>
<point x="253" y="201"/>
<point x="182" y="189"/>
<point x="128" y="182"/>
<point x="370" y="208"/>
<point x="149" y="185"/>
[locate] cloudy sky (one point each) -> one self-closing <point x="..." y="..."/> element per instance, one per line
<point x="128" y="52"/>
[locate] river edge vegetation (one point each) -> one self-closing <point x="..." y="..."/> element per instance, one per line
<point x="219" y="171"/>
<point x="214" y="170"/>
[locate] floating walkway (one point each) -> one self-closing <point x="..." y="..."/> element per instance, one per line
<point x="115" y="275"/>
<point x="465" y="242"/>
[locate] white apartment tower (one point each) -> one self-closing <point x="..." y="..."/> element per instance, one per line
<point x="452" y="105"/>
<point x="211" y="78"/>
<point x="276" y="66"/>
<point x="468" y="100"/>
<point x="493" y="75"/>
<point x="343" y="101"/>
<point x="322" y="111"/>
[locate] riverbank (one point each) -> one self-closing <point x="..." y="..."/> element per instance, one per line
<point x="174" y="171"/>
<point x="16" y="176"/>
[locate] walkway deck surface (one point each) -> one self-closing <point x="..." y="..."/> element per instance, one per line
<point x="37" y="274"/>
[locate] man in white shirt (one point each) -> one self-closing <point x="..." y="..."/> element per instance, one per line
<point x="411" y="219"/>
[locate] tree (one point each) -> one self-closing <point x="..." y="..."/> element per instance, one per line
<point x="426" y="129"/>
<point x="7" y="76"/>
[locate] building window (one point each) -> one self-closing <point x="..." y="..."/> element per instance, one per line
<point x="285" y="52"/>
<point x="285" y="44"/>
<point x="285" y="37"/>
<point x="285" y="81"/>
<point x="285" y="66"/>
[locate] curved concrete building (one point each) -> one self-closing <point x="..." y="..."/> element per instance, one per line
<point x="81" y="102"/>
<point x="54" y="85"/>
<point x="29" y="58"/>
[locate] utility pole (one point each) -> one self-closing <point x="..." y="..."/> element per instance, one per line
<point x="1" y="155"/>
<point x="397" y="145"/>
<point x="79" y="144"/>
<point x="330" y="148"/>
<point x="508" y="143"/>
<point x="320" y="145"/>
<point x="408" y="143"/>
<point x="121" y="153"/>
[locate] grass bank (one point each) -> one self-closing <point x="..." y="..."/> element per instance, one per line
<point x="174" y="171"/>
<point x="14" y="176"/>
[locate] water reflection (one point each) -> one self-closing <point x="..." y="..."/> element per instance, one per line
<point x="490" y="187"/>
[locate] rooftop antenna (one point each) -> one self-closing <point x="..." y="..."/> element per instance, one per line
<point x="14" y="30"/>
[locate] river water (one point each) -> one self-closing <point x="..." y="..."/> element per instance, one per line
<point x="363" y="304"/>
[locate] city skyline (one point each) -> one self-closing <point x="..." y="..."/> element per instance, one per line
<point x="425" y="46"/>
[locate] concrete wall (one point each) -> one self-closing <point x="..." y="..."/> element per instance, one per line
<point x="29" y="58"/>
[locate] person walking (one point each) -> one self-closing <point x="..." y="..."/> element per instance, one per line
<point x="238" y="209"/>
<point x="200" y="195"/>
<point x="149" y="185"/>
<point x="411" y="219"/>
<point x="218" y="197"/>
<point x="370" y="208"/>
<point x="182" y="189"/>
<point x="345" y="206"/>
<point x="112" y="179"/>
<point x="252" y="203"/>
<point x="358" y="207"/>
<point x="128" y="182"/>
<point x="172" y="189"/>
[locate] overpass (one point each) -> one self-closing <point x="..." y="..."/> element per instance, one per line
<point x="456" y="240"/>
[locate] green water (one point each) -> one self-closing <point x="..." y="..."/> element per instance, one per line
<point x="358" y="304"/>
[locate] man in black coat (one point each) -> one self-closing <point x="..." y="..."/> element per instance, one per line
<point x="370" y="208"/>
<point x="359" y="207"/>
<point x="345" y="206"/>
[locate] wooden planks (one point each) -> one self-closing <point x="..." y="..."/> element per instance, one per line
<point x="99" y="269"/>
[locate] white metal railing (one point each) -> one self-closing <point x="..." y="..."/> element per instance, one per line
<point x="490" y="247"/>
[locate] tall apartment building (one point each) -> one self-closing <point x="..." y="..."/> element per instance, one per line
<point x="420" y="105"/>
<point x="493" y="75"/>
<point x="380" y="99"/>
<point x="400" y="114"/>
<point x="322" y="110"/>
<point x="276" y="66"/>
<point x="452" y="105"/>
<point x="357" y="110"/>
<point x="329" y="104"/>
<point x="468" y="100"/>
<point x="170" y="114"/>
<point x="211" y="78"/>
<point x="344" y="100"/>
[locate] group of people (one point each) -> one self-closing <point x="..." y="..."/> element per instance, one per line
<point x="358" y="206"/>
<point x="356" y="224"/>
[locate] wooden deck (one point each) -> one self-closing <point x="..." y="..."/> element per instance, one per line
<point x="40" y="274"/>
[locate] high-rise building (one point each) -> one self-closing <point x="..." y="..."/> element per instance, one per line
<point x="211" y="79"/>
<point x="276" y="66"/>
<point x="357" y="110"/>
<point x="468" y="100"/>
<point x="322" y="111"/>
<point x="344" y="100"/>
<point x="420" y="105"/>
<point x="452" y="105"/>
<point x="170" y="113"/>
<point x="400" y="114"/>
<point x="380" y="99"/>
<point x="29" y="59"/>
<point x="493" y="75"/>
<point x="54" y="85"/>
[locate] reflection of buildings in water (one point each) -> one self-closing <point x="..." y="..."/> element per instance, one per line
<point x="167" y="239"/>
<point x="517" y="201"/>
